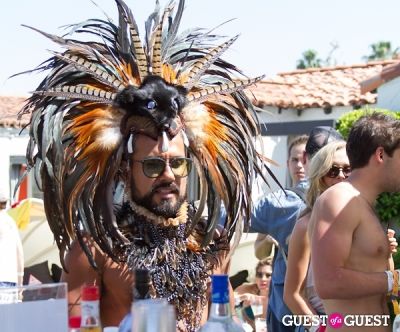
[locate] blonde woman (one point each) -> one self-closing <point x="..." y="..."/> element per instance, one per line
<point x="329" y="166"/>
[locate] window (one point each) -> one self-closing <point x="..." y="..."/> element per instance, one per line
<point x="23" y="187"/>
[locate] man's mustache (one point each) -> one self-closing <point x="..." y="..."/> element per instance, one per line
<point x="171" y="186"/>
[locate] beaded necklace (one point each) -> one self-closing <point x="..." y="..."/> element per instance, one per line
<point x="179" y="273"/>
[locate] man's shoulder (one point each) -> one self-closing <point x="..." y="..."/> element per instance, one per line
<point x="343" y="191"/>
<point x="76" y="256"/>
<point x="280" y="201"/>
<point x="342" y="200"/>
<point x="299" y="191"/>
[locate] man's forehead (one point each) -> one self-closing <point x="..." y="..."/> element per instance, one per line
<point x="146" y="145"/>
<point x="298" y="148"/>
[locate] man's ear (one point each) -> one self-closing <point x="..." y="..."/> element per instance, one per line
<point x="379" y="152"/>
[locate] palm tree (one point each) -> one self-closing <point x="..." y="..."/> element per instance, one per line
<point x="310" y="60"/>
<point x="381" y="50"/>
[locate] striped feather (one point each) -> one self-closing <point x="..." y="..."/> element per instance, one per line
<point x="93" y="69"/>
<point x="136" y="43"/>
<point x="222" y="89"/>
<point x="201" y="66"/>
<point x="82" y="92"/>
<point x="156" y="62"/>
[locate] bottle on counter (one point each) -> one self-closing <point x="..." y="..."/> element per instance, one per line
<point x="141" y="291"/>
<point x="396" y="324"/>
<point x="111" y="329"/>
<point x="150" y="315"/>
<point x="220" y="318"/>
<point x="74" y="323"/>
<point x="90" y="309"/>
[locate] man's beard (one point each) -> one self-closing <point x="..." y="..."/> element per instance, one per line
<point x="165" y="208"/>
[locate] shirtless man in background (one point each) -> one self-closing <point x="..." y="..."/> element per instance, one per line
<point x="349" y="246"/>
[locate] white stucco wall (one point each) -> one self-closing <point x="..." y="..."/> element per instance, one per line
<point x="275" y="147"/>
<point x="12" y="144"/>
<point x="389" y="96"/>
<point x="272" y="115"/>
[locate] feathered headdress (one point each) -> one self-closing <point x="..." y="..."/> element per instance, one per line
<point x="100" y="93"/>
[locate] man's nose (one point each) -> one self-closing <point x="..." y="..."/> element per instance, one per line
<point x="167" y="173"/>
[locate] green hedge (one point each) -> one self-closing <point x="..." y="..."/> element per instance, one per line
<point x="388" y="204"/>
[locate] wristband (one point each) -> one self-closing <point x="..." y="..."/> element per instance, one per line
<point x="394" y="294"/>
<point x="395" y="290"/>
<point x="390" y="280"/>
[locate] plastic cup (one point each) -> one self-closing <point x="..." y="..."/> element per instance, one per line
<point x="257" y="306"/>
<point x="153" y="315"/>
<point x="261" y="325"/>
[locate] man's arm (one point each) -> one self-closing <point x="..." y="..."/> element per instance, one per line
<point x="271" y="212"/>
<point x="334" y="219"/>
<point x="80" y="272"/>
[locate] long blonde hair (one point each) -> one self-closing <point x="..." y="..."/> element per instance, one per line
<point x="320" y="164"/>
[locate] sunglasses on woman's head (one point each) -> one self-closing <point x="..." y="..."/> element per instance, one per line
<point x="153" y="167"/>
<point x="334" y="171"/>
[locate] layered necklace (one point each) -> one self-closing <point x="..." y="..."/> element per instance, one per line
<point x="179" y="274"/>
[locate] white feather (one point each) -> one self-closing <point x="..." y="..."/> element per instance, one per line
<point x="109" y="138"/>
<point x="196" y="117"/>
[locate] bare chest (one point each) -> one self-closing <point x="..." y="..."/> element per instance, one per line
<point x="370" y="247"/>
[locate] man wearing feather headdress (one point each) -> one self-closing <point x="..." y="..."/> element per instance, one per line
<point x="116" y="127"/>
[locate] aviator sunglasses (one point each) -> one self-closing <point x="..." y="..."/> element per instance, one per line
<point x="334" y="171"/>
<point x="155" y="166"/>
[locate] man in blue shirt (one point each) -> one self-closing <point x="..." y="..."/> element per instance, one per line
<point x="276" y="214"/>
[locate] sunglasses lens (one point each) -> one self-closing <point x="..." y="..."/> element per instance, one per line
<point x="335" y="170"/>
<point x="181" y="166"/>
<point x="153" y="167"/>
<point x="346" y="171"/>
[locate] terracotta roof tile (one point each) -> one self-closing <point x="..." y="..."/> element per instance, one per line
<point x="319" y="87"/>
<point x="300" y="89"/>
<point x="9" y="108"/>
<point x="373" y="82"/>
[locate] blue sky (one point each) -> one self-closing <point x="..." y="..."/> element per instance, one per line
<point x="273" y="34"/>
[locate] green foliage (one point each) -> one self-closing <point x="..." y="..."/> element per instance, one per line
<point x="345" y="122"/>
<point x="388" y="204"/>
<point x="381" y="50"/>
<point x="309" y="60"/>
